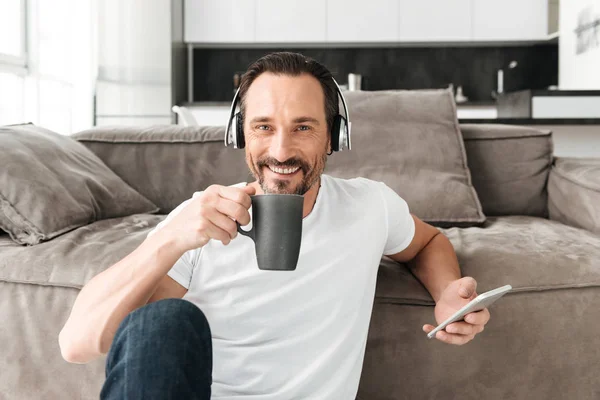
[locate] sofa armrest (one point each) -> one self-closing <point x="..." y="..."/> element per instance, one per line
<point x="574" y="192"/>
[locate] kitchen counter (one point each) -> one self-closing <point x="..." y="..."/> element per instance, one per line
<point x="550" y="104"/>
<point x="532" y="121"/>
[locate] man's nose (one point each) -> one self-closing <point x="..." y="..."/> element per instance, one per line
<point x="282" y="146"/>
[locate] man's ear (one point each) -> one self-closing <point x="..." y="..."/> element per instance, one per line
<point x="329" y="151"/>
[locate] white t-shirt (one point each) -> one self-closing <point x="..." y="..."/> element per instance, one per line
<point x="299" y="334"/>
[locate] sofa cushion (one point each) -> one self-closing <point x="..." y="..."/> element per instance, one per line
<point x="167" y="163"/>
<point x="411" y="141"/>
<point x="509" y="166"/>
<point x="529" y="253"/>
<point x="574" y="192"/>
<point x="72" y="259"/>
<point x="51" y="184"/>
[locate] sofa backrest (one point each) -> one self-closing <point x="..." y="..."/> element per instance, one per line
<point x="167" y="163"/>
<point x="509" y="167"/>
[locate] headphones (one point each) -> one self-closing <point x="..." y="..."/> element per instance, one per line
<point x="340" y="129"/>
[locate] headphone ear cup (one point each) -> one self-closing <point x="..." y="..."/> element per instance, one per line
<point x="343" y="135"/>
<point x="335" y="133"/>
<point x="239" y="131"/>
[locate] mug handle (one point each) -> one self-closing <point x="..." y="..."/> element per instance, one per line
<point x="249" y="233"/>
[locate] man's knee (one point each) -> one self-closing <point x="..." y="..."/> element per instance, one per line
<point x="169" y="315"/>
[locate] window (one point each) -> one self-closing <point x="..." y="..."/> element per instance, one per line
<point x="46" y="63"/>
<point x="12" y="31"/>
<point x="13" y="60"/>
<point x="11" y="98"/>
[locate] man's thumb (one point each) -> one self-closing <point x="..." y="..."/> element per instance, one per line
<point x="467" y="287"/>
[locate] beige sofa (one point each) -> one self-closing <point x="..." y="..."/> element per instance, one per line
<point x="541" y="343"/>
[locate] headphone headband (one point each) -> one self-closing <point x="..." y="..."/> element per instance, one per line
<point x="228" y="136"/>
<point x="342" y="126"/>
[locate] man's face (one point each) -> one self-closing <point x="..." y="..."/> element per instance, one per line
<point x="286" y="132"/>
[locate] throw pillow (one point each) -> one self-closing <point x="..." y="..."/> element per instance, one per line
<point x="574" y="192"/>
<point x="510" y="167"/>
<point x="410" y="139"/>
<point x="51" y="184"/>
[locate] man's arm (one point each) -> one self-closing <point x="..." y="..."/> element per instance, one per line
<point x="107" y="298"/>
<point x="141" y="277"/>
<point x="432" y="259"/>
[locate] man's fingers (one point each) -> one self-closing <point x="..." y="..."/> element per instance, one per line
<point x="222" y="221"/>
<point x="214" y="232"/>
<point x="478" y="318"/>
<point x="234" y="210"/>
<point x="467" y="288"/>
<point x="452" y="338"/>
<point x="428" y="328"/>
<point x="462" y="328"/>
<point x="236" y="195"/>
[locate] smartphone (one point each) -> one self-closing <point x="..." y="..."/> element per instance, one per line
<point x="477" y="304"/>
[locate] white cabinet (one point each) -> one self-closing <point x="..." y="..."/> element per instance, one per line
<point x="434" y="20"/>
<point x="509" y="19"/>
<point x="291" y="21"/>
<point x="362" y="21"/>
<point x="219" y="21"/>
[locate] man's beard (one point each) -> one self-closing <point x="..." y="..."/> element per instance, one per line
<point x="309" y="175"/>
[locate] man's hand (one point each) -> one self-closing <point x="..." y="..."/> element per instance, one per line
<point x="212" y="214"/>
<point x="454" y="297"/>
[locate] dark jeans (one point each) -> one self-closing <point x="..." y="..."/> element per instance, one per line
<point x="162" y="350"/>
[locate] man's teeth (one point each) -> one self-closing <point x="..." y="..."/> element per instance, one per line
<point x="284" y="170"/>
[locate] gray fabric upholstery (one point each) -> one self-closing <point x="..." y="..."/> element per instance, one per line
<point x="167" y="163"/>
<point x="537" y="345"/>
<point x="38" y="286"/>
<point x="72" y="259"/>
<point x="509" y="166"/>
<point x="32" y="366"/>
<point x="411" y="141"/>
<point x="50" y="184"/>
<point x="540" y="343"/>
<point x="574" y="192"/>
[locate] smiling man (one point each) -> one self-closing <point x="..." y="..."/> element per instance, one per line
<point x="188" y="314"/>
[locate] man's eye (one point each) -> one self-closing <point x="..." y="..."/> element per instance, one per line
<point x="262" y="127"/>
<point x="301" y="127"/>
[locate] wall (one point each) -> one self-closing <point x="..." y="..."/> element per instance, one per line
<point x="578" y="71"/>
<point x="395" y="68"/>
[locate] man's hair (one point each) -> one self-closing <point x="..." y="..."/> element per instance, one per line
<point x="293" y="64"/>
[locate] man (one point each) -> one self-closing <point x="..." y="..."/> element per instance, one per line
<point x="260" y="334"/>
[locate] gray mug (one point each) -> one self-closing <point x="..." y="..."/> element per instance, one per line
<point x="276" y="230"/>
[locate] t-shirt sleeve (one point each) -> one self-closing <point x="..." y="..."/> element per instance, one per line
<point x="400" y="223"/>
<point x="182" y="270"/>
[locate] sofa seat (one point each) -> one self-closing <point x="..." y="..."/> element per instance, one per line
<point x="38" y="286"/>
<point x="537" y="255"/>
<point x="529" y="253"/>
<point x="72" y="259"/>
<point x="525" y="350"/>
